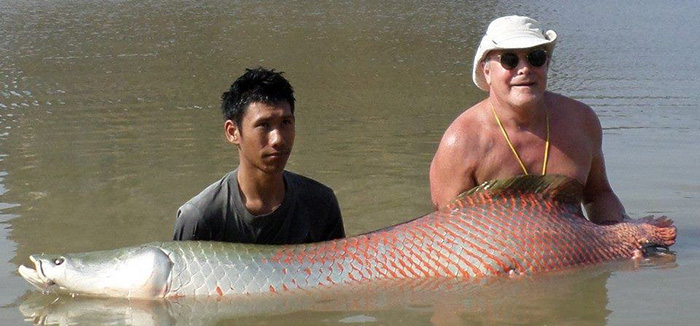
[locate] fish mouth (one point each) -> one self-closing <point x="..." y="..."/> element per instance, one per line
<point x="35" y="276"/>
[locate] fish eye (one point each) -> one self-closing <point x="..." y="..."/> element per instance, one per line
<point x="59" y="261"/>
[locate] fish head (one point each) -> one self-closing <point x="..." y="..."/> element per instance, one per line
<point x="70" y="273"/>
<point x="128" y="272"/>
<point x="47" y="270"/>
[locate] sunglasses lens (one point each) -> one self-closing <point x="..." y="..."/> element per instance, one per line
<point x="537" y="58"/>
<point x="509" y="60"/>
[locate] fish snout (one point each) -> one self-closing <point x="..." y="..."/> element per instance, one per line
<point x="36" y="276"/>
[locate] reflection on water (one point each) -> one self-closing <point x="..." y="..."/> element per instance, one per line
<point x="109" y="121"/>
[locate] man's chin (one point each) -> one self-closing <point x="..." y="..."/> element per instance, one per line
<point x="274" y="168"/>
<point x="525" y="97"/>
<point x="530" y="89"/>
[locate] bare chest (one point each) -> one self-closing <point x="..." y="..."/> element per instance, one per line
<point x="570" y="153"/>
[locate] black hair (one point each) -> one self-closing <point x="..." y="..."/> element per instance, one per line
<point x="255" y="85"/>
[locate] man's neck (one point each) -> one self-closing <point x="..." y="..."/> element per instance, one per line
<point x="524" y="116"/>
<point x="261" y="192"/>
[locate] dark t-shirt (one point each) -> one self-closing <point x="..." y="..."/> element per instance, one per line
<point x="308" y="213"/>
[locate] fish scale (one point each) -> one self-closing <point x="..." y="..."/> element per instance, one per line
<point x="527" y="224"/>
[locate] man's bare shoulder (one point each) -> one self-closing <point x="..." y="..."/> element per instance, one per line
<point x="452" y="168"/>
<point x="573" y="111"/>
<point x="464" y="131"/>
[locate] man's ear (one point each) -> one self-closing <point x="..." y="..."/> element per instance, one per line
<point x="233" y="133"/>
<point x="486" y="66"/>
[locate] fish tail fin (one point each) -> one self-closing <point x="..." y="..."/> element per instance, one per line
<point x="660" y="232"/>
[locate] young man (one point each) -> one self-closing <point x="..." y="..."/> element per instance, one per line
<point x="260" y="202"/>
<point x="521" y="128"/>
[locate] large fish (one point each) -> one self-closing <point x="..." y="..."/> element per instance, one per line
<point x="523" y="225"/>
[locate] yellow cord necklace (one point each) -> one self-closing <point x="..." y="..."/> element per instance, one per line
<point x="505" y="134"/>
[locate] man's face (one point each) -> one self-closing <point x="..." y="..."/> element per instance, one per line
<point x="522" y="85"/>
<point x="265" y="136"/>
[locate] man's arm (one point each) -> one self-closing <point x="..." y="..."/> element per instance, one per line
<point x="449" y="173"/>
<point x="601" y="204"/>
<point x="336" y="229"/>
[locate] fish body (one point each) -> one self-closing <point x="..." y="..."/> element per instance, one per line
<point x="523" y="225"/>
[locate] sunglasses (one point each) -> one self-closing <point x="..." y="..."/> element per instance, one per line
<point x="510" y="60"/>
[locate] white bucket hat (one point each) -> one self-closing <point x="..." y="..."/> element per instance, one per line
<point x="510" y="32"/>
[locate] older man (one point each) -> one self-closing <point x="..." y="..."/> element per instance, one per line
<point x="521" y="128"/>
